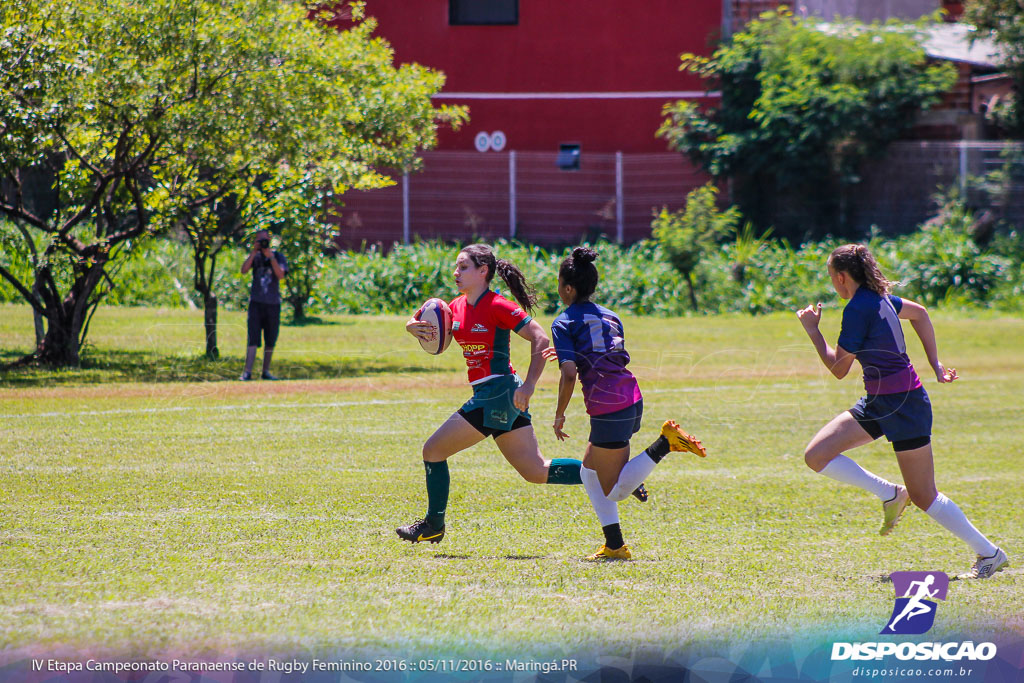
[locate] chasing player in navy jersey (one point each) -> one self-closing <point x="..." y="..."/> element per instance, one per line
<point x="896" y="405"/>
<point x="589" y="342"/>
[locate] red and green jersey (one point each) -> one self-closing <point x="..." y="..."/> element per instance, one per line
<point x="483" y="331"/>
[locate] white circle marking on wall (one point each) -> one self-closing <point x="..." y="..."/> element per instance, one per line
<point x="482" y="141"/>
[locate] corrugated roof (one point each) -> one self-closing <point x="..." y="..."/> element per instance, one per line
<point x="953" y="42"/>
<point x="946" y="41"/>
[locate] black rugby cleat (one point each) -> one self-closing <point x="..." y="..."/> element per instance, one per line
<point x="419" y="531"/>
<point x="640" y="493"/>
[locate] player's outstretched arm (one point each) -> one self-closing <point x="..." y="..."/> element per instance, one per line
<point x="566" y="384"/>
<point x="922" y="324"/>
<point x="837" y="360"/>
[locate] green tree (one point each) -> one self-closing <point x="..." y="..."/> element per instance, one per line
<point x="146" y="115"/>
<point x="341" y="111"/>
<point x="301" y="218"/>
<point x="1003" y="21"/>
<point x="76" y="116"/>
<point x="688" y="235"/>
<point x="802" y="106"/>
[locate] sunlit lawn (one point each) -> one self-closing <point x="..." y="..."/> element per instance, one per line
<point x="151" y="504"/>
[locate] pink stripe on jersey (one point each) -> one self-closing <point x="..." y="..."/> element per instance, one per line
<point x="896" y="383"/>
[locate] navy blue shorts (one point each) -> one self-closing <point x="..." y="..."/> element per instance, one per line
<point x="905" y="418"/>
<point x="613" y="430"/>
<point x="265" y="319"/>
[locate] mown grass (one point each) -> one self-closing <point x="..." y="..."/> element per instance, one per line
<point x="145" y="515"/>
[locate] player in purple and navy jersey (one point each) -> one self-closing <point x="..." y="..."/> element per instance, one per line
<point x="589" y="343"/>
<point x="896" y="405"/>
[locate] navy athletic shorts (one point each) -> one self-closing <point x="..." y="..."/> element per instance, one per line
<point x="614" y="430"/>
<point x="265" y="319"/>
<point x="904" y="418"/>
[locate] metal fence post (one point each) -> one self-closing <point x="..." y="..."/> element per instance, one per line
<point x="963" y="168"/>
<point x="405" y="208"/>
<point x="512" y="194"/>
<point x="619" y="213"/>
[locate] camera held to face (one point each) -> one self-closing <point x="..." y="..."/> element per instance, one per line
<point x="263" y="244"/>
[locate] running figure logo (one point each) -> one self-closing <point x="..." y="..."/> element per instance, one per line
<point x="916" y="592"/>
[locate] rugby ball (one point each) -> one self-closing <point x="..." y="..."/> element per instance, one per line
<point x="437" y="313"/>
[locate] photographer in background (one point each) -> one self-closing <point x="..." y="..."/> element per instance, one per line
<point x="268" y="269"/>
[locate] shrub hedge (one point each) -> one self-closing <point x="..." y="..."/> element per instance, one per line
<point x="938" y="266"/>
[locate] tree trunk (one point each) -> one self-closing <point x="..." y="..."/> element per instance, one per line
<point x="298" y="309"/>
<point x="693" y="292"/>
<point x="844" y="207"/>
<point x="60" y="344"/>
<point x="210" y="323"/>
<point x="37" y="317"/>
<point x="65" y="320"/>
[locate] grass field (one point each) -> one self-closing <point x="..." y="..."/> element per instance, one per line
<point x="149" y="508"/>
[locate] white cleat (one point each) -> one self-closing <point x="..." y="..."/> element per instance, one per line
<point x="892" y="510"/>
<point x="985" y="567"/>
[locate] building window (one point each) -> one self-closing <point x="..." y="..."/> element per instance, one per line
<point x="482" y="12"/>
<point x="568" y="156"/>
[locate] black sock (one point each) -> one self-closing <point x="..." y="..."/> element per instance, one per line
<point x="659" y="449"/>
<point x="613" y="536"/>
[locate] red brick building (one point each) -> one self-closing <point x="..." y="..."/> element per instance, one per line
<point x="587" y="77"/>
<point x="565" y="99"/>
<point x="592" y="72"/>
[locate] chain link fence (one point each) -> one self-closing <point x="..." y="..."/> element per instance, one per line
<point x="525" y="195"/>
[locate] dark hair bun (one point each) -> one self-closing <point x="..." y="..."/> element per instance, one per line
<point x="584" y="255"/>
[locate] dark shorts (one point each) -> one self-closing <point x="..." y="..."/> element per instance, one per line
<point x="491" y="410"/>
<point x="265" y="318"/>
<point x="476" y="418"/>
<point x="905" y="418"/>
<point x="614" y="430"/>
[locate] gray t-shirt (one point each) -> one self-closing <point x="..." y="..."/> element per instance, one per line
<point x="265" y="287"/>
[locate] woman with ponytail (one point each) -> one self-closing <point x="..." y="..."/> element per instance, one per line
<point x="482" y="323"/>
<point x="589" y="343"/>
<point x="896" y="405"/>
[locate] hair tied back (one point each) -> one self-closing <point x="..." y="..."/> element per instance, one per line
<point x="584" y="255"/>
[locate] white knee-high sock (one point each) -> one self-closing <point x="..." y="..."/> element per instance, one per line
<point x="633" y="474"/>
<point x="607" y="510"/>
<point x="948" y="514"/>
<point x="847" y="471"/>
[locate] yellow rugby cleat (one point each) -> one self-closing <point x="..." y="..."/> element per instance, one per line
<point x="892" y="510"/>
<point x="606" y="554"/>
<point x="679" y="441"/>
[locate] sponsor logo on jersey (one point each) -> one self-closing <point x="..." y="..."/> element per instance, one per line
<point x="474" y="348"/>
<point x="518" y="313"/>
<point x="456" y="325"/>
<point x="478" y="329"/>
